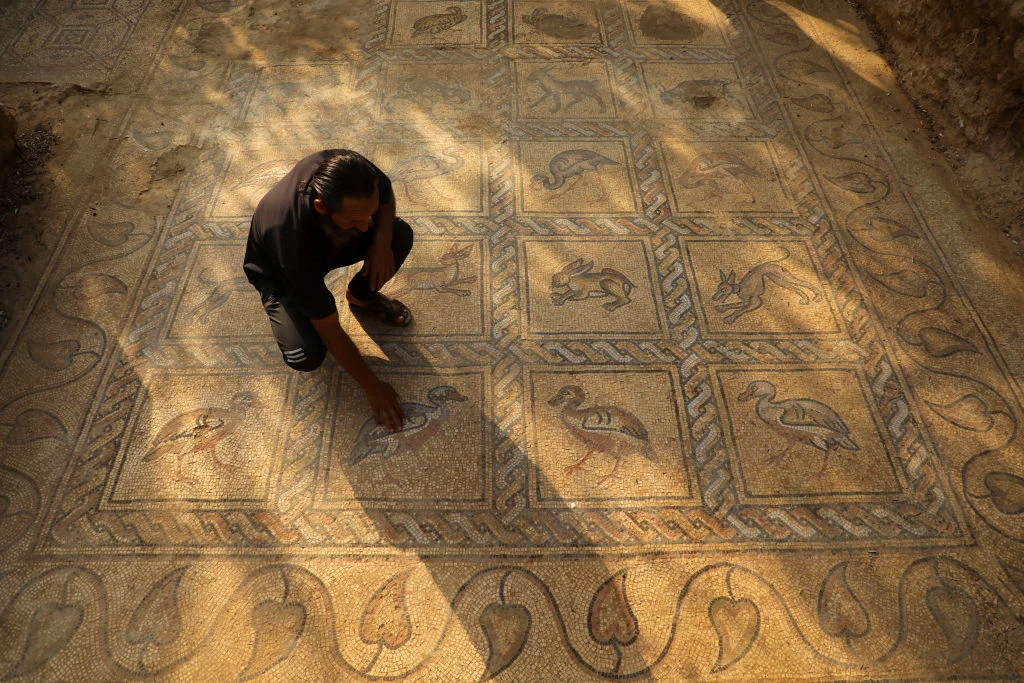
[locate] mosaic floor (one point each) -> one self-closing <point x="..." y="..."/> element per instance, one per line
<point x="704" y="391"/>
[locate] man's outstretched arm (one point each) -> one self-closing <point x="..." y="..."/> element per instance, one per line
<point x="380" y="262"/>
<point x="382" y="397"/>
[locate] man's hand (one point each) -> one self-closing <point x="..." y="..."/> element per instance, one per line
<point x="384" y="403"/>
<point x="379" y="265"/>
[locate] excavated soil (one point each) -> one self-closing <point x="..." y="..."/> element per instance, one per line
<point x="963" y="64"/>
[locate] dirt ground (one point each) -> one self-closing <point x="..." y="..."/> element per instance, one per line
<point x="963" y="66"/>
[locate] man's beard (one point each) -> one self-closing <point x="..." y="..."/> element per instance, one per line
<point x="338" y="238"/>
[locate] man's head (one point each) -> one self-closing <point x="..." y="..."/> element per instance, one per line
<point x="344" y="188"/>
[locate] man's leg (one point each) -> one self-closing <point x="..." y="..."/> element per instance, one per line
<point x="298" y="340"/>
<point x="401" y="245"/>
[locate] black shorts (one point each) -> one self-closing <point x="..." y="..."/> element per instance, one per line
<point x="298" y="340"/>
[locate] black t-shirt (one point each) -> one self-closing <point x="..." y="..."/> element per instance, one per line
<point x="294" y="245"/>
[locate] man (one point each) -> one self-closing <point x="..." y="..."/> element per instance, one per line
<point x="335" y="208"/>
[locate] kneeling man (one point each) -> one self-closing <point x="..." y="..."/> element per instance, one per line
<point x="335" y="208"/>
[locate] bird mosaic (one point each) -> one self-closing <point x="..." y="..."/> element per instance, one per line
<point x="421" y="423"/>
<point x="608" y="430"/>
<point x="799" y="421"/>
<point x="218" y="296"/>
<point x="199" y="431"/>
<point x="432" y="24"/>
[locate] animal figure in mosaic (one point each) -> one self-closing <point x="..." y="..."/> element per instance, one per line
<point x="444" y="278"/>
<point x="661" y="22"/>
<point x="709" y="170"/>
<point x="799" y="420"/>
<point x="222" y="291"/>
<point x="556" y="89"/>
<point x="262" y="176"/>
<point x="566" y="27"/>
<point x="425" y="168"/>
<point x="575" y="282"/>
<point x="570" y="164"/>
<point x="428" y="94"/>
<point x="751" y="288"/>
<point x="421" y="423"/>
<point x="702" y="93"/>
<point x="199" y="431"/>
<point x="433" y="24"/>
<point x="609" y="430"/>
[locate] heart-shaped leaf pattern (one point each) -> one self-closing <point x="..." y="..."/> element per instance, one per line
<point x="887" y="230"/>
<point x="35" y="425"/>
<point x="1015" y="575"/>
<point x="968" y="412"/>
<point x="820" y="103"/>
<point x="111" y="234"/>
<point x="787" y="38"/>
<point x="52" y="626"/>
<point x="386" y="620"/>
<point x="188" y="62"/>
<point x="157" y="619"/>
<point x="507" y="627"/>
<point x="857" y="181"/>
<point x="55" y="356"/>
<point x="97" y="285"/>
<point x="737" y="623"/>
<point x="906" y="281"/>
<point x="840" y="613"/>
<point x="806" y="67"/>
<point x="941" y="343"/>
<point x="278" y="626"/>
<point x="611" y="617"/>
<point x="152" y="140"/>
<point x="957" y="616"/>
<point x="1007" y="492"/>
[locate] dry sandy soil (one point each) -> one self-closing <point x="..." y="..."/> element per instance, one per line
<point x="963" y="65"/>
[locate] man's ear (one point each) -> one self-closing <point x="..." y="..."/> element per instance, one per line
<point x="319" y="206"/>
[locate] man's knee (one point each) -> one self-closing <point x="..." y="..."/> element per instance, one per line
<point x="302" y="360"/>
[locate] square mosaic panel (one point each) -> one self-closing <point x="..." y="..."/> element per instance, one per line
<point x="564" y="89"/>
<point x="206" y="440"/>
<point x="436" y="177"/>
<point x="428" y="91"/>
<point x="711" y="177"/>
<point x="760" y="287"/>
<point x="302" y="92"/>
<point x="584" y="176"/>
<point x="440" y="458"/>
<point x="248" y="176"/>
<point x="417" y="23"/>
<point x="803" y="433"/>
<point x="557" y="23"/>
<point x="606" y="436"/>
<point x="217" y="301"/>
<point x="441" y="275"/>
<point x="696" y="91"/>
<point x="582" y="288"/>
<point x="660" y="22"/>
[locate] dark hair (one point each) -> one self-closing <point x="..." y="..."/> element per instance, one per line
<point x="345" y="174"/>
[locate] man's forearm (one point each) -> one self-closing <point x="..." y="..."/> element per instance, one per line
<point x="340" y="346"/>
